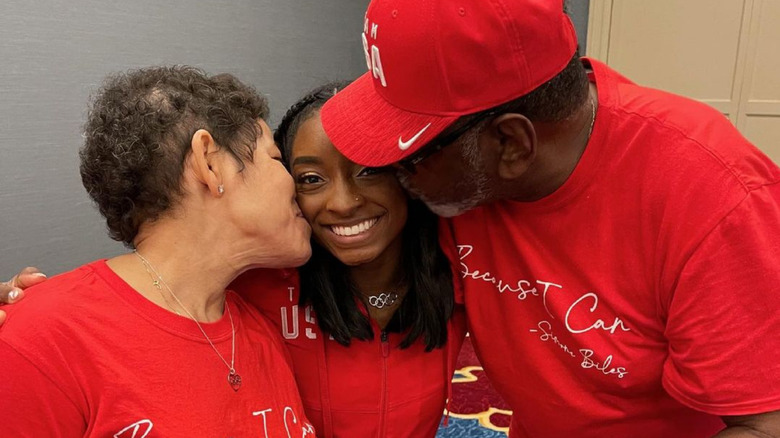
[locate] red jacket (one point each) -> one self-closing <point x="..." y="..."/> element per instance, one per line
<point x="369" y="389"/>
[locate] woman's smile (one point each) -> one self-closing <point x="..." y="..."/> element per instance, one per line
<point x="353" y="232"/>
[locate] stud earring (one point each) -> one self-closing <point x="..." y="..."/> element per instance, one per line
<point x="220" y="189"/>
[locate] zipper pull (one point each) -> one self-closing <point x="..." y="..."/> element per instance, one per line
<point x="385" y="344"/>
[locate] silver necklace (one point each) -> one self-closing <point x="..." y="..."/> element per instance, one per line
<point x="233" y="378"/>
<point x="384" y="299"/>
<point x="592" y="116"/>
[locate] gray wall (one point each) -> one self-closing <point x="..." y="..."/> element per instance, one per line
<point x="54" y="53"/>
<point x="578" y="10"/>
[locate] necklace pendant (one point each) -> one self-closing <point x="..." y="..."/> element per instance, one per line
<point x="234" y="379"/>
<point x="382" y="300"/>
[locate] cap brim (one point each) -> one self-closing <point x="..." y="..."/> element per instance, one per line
<point x="371" y="132"/>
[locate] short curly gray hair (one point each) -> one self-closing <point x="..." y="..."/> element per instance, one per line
<point x="138" y="134"/>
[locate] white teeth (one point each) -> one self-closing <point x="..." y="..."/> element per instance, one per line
<point x="354" y="229"/>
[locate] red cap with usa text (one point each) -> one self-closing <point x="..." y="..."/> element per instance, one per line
<point x="433" y="61"/>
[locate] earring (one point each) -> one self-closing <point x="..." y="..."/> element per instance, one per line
<point x="220" y="189"/>
<point x="357" y="198"/>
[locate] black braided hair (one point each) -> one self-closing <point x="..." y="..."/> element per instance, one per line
<point x="300" y="112"/>
<point x="325" y="281"/>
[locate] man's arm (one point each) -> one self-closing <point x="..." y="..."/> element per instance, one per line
<point x="766" y="425"/>
<point x="723" y="321"/>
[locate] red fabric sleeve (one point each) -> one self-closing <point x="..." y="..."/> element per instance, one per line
<point x="267" y="290"/>
<point x="723" y="323"/>
<point x="32" y="405"/>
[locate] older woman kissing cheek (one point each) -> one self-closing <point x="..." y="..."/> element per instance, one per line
<point x="186" y="173"/>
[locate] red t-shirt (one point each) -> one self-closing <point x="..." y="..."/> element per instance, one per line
<point x="642" y="298"/>
<point x="368" y="389"/>
<point x="85" y="355"/>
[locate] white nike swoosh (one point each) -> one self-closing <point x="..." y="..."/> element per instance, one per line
<point x="404" y="145"/>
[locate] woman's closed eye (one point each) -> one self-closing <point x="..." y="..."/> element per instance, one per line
<point x="371" y="171"/>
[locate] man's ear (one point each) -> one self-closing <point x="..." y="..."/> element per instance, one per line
<point x="515" y="138"/>
<point x="206" y="163"/>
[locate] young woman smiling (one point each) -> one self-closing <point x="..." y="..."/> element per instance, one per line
<point x="371" y="320"/>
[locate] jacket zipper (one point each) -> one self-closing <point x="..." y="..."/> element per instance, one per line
<point x="383" y="398"/>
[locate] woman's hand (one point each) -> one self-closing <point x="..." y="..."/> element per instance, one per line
<point x="13" y="290"/>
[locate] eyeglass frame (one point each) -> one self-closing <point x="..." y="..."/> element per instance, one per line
<point x="409" y="164"/>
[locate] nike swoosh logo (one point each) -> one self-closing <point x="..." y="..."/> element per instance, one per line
<point x="404" y="145"/>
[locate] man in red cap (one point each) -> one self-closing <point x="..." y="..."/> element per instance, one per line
<point x="618" y="245"/>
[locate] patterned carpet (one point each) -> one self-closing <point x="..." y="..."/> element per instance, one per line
<point x="477" y="410"/>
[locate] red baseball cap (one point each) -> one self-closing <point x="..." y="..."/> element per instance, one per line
<point x="433" y="61"/>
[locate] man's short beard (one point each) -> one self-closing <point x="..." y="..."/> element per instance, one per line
<point x="472" y="185"/>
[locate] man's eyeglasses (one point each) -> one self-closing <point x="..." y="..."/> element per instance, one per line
<point x="410" y="163"/>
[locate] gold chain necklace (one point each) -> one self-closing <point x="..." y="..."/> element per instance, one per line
<point x="157" y="285"/>
<point x="233" y="378"/>
<point x="592" y="117"/>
